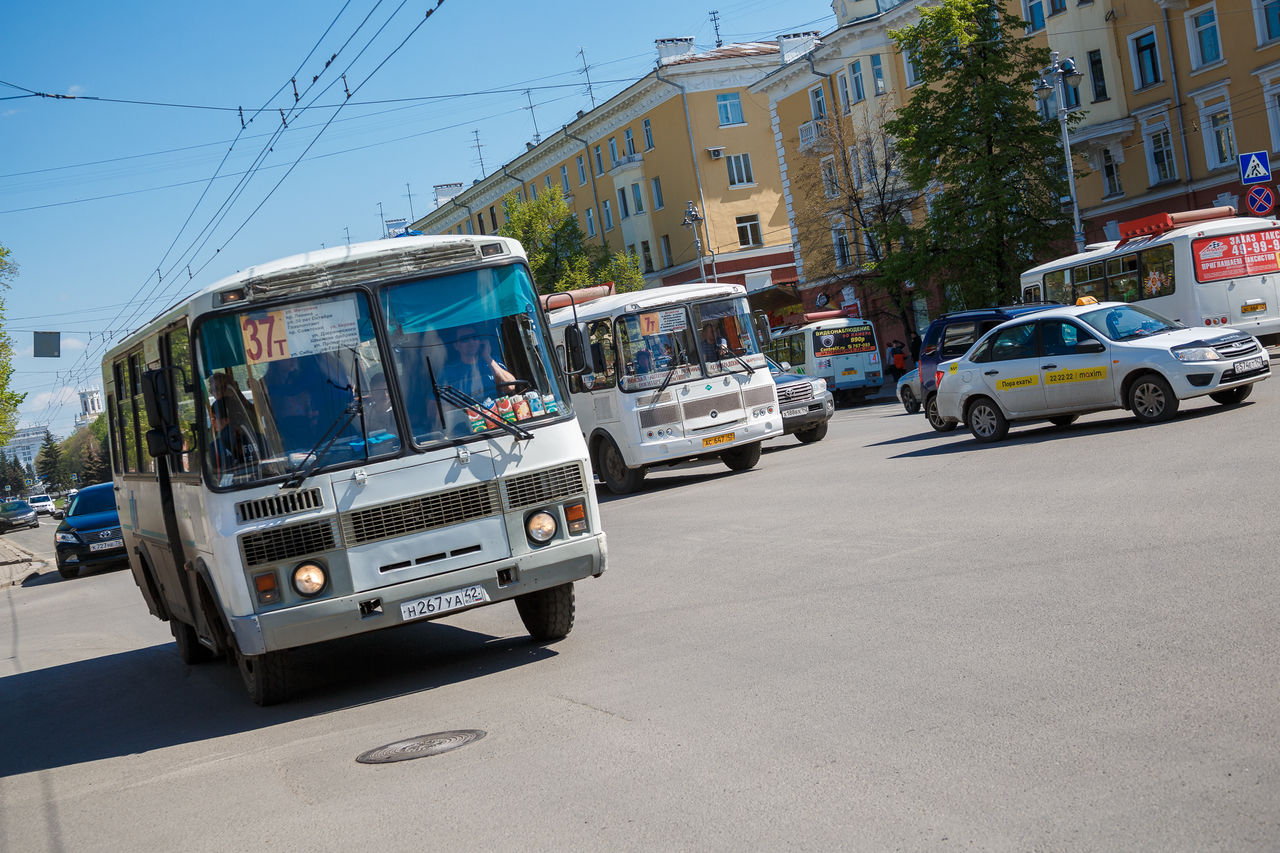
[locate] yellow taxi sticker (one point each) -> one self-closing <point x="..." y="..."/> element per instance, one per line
<point x="1017" y="382"/>
<point x="953" y="368"/>
<point x="1084" y="374"/>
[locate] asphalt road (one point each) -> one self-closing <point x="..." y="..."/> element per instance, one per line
<point x="891" y="639"/>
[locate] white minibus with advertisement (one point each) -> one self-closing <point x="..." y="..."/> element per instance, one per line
<point x="838" y="349"/>
<point x="1204" y="267"/>
<point x="667" y="375"/>
<point x="349" y="440"/>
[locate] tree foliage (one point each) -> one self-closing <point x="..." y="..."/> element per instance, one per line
<point x="559" y="255"/>
<point x="50" y="464"/>
<point x="9" y="400"/>
<point x="991" y="168"/>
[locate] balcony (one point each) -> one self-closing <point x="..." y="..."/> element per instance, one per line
<point x="813" y="135"/>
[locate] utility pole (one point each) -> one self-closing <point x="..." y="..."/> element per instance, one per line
<point x="479" y="154"/>
<point x="715" y="22"/>
<point x="582" y="51"/>
<point x="537" y="137"/>
<point x="409" y="193"/>
<point x="382" y="223"/>
<point x="348" y="230"/>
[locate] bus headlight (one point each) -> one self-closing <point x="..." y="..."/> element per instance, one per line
<point x="309" y="579"/>
<point x="540" y="526"/>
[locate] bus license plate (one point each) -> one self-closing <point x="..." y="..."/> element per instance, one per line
<point x="718" y="439"/>
<point x="1247" y="365"/>
<point x="1250" y="309"/>
<point x="106" y="546"/>
<point x="853" y="371"/>
<point x="444" y="602"/>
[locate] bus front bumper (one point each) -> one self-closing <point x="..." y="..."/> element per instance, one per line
<point x="371" y="610"/>
<point x="707" y="443"/>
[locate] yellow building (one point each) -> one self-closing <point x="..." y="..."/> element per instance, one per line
<point x="687" y="137"/>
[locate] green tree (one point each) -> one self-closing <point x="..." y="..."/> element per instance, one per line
<point x="50" y="464"/>
<point x="9" y="400"/>
<point x="971" y="139"/>
<point x="559" y="255"/>
<point x="97" y="466"/>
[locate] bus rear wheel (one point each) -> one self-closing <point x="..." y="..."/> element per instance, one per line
<point x="265" y="677"/>
<point x="617" y="477"/>
<point x="547" y="614"/>
<point x="742" y="458"/>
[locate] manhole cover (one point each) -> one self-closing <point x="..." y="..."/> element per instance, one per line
<point x="420" y="746"/>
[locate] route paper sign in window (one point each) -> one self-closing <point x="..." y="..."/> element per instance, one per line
<point x="829" y="342"/>
<point x="1234" y="255"/>
<point x="660" y="322"/>
<point x="298" y="330"/>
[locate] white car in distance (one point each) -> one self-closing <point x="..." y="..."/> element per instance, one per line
<point x="1060" y="363"/>
<point x="42" y="504"/>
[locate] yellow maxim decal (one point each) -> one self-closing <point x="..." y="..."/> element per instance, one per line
<point x="1085" y="374"/>
<point x="1017" y="382"/>
<point x="953" y="368"/>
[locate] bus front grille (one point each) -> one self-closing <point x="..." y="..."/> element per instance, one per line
<point x="287" y="543"/>
<point x="274" y="506"/>
<point x="415" y="515"/>
<point x="721" y="403"/>
<point x="761" y="396"/>
<point x="660" y="415"/>
<point x="540" y="487"/>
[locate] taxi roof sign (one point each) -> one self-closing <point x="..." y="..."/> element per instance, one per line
<point x="1086" y="300"/>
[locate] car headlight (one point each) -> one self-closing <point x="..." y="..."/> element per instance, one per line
<point x="69" y="538"/>
<point x="1197" y="354"/>
<point x="309" y="579"/>
<point x="819" y="387"/>
<point x="540" y="526"/>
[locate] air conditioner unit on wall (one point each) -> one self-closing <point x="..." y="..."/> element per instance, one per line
<point x="717" y="152"/>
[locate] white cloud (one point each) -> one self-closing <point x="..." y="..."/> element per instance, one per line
<point x="75" y="90"/>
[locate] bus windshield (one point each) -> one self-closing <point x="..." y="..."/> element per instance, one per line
<point x="470" y="354"/>
<point x="292" y="385"/>
<point x="655" y="344"/>
<point x="725" y="334"/>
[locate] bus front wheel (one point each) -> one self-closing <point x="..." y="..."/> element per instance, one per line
<point x="618" y="478"/>
<point x="547" y="614"/>
<point x="265" y="676"/>
<point x="190" y="651"/>
<point x="742" y="458"/>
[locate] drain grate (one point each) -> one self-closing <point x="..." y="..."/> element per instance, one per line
<point x="420" y="746"/>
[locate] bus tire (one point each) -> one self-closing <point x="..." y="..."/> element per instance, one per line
<point x="1232" y="396"/>
<point x="1151" y="399"/>
<point x="617" y="477"/>
<point x="817" y="432"/>
<point x="935" y="420"/>
<point x="265" y="676"/>
<point x="742" y="458"/>
<point x="190" y="651"/>
<point x="547" y="614"/>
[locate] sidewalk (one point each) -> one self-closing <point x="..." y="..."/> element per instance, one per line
<point x="16" y="563"/>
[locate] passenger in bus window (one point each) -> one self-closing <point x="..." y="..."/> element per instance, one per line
<point x="233" y="445"/>
<point x="714" y="345"/>
<point x="473" y="370"/>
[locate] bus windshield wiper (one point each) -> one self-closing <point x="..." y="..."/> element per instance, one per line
<point x="465" y="401"/>
<point x="741" y="361"/>
<point x="676" y="362"/>
<point x="322" y="445"/>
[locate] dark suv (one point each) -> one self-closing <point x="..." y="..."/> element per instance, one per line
<point x="950" y="336"/>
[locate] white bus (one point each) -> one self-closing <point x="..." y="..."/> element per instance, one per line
<point x="1201" y="267"/>
<point x="668" y="374"/>
<point x="842" y="351"/>
<point x="349" y="440"/>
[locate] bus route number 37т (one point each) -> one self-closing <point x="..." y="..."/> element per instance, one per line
<point x="349" y="440"/>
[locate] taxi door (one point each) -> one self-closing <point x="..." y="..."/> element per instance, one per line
<point x="1010" y="369"/>
<point x="1075" y="367"/>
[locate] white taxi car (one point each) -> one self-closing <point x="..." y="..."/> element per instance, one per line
<point x="1058" y="364"/>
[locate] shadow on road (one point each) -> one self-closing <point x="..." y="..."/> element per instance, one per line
<point x="136" y="701"/>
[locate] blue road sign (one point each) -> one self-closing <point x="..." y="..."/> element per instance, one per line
<point x="1255" y="168"/>
<point x="1260" y="200"/>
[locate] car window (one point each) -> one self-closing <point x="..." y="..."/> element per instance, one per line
<point x="1060" y="337"/>
<point x="957" y="338"/>
<point x="1014" y="342"/>
<point x="100" y="500"/>
<point x="10" y="506"/>
<point x="40" y="498"/>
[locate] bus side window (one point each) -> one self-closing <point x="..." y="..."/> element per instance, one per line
<point x="1122" y="279"/>
<point x="1057" y="286"/>
<point x="175" y="351"/>
<point x="1088" y="280"/>
<point x="602" y="362"/>
<point x="1157" y="272"/>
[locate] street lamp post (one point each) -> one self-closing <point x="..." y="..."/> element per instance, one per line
<point x="691" y="220"/>
<point x="1064" y="74"/>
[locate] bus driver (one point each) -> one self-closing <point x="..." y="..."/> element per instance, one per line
<point x="473" y="370"/>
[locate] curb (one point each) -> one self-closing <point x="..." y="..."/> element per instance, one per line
<point x="17" y="564"/>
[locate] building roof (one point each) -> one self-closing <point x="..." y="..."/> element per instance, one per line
<point x="729" y="51"/>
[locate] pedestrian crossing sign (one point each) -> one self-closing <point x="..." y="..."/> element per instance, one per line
<point x="1254" y="168"/>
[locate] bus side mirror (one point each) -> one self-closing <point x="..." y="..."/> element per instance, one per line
<point x="165" y="436"/>
<point x="574" y="350"/>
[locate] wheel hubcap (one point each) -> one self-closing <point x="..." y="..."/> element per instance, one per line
<point x="1149" y="400"/>
<point x="984" y="421"/>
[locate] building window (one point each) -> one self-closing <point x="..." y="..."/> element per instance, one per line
<point x="818" y="102"/>
<point x="1219" y="141"/>
<point x="480" y="222"/>
<point x="729" y="106"/>
<point x="547" y="180"/>
<point x="1033" y="12"/>
<point x="613" y="151"/>
<point x="582" y="171"/>
<point x="1097" y="76"/>
<point x="591" y="222"/>
<point x="564" y="179"/>
<point x="1145" y="57"/>
<point x="665" y="243"/>
<point x="877" y="74"/>
<point x="749" y="231"/>
<point x="912" y="67"/>
<point x="842" y="87"/>
<point x="646" y="256"/>
<point x="739" y="169"/>
<point x="1266" y="19"/>
<point x="830" y="182"/>
<point x="1110" y="174"/>
<point x="1057" y="7"/>
<point x="855" y="75"/>
<point x="1202" y="36"/>
<point x="637" y="196"/>
<point x="648" y="134"/>
<point x="656" y="186"/>
<point x="629" y="141"/>
<point x="607" y="212"/>
<point x="533" y="193"/>
<point x="840" y="242"/>
<point x="1159" y="147"/>
<point x="855" y="166"/>
<point x="624" y="210"/>
<point x="599" y="161"/>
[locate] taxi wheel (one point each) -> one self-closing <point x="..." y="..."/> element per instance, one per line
<point x="986" y="421"/>
<point x="1151" y="399"/>
<point x="910" y="401"/>
<point x="1232" y="396"/>
<point x="617" y="477"/>
<point x="935" y="420"/>
<point x="1063" y="420"/>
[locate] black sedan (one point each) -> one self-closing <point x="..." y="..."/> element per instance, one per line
<point x="89" y="535"/>
<point x="15" y="514"/>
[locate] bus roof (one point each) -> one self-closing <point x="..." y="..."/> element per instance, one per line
<point x="829" y="323"/>
<point x="1098" y="251"/>
<point x="653" y="297"/>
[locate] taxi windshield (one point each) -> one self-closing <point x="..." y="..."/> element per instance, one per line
<point x="1128" y="322"/>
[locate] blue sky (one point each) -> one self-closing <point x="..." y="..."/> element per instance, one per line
<point x="94" y="194"/>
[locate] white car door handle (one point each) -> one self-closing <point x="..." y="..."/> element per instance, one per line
<point x="1049" y="367"/>
<point x="992" y="373"/>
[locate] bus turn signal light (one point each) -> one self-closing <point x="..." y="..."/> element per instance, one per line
<point x="576" y="517"/>
<point x="265" y="585"/>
